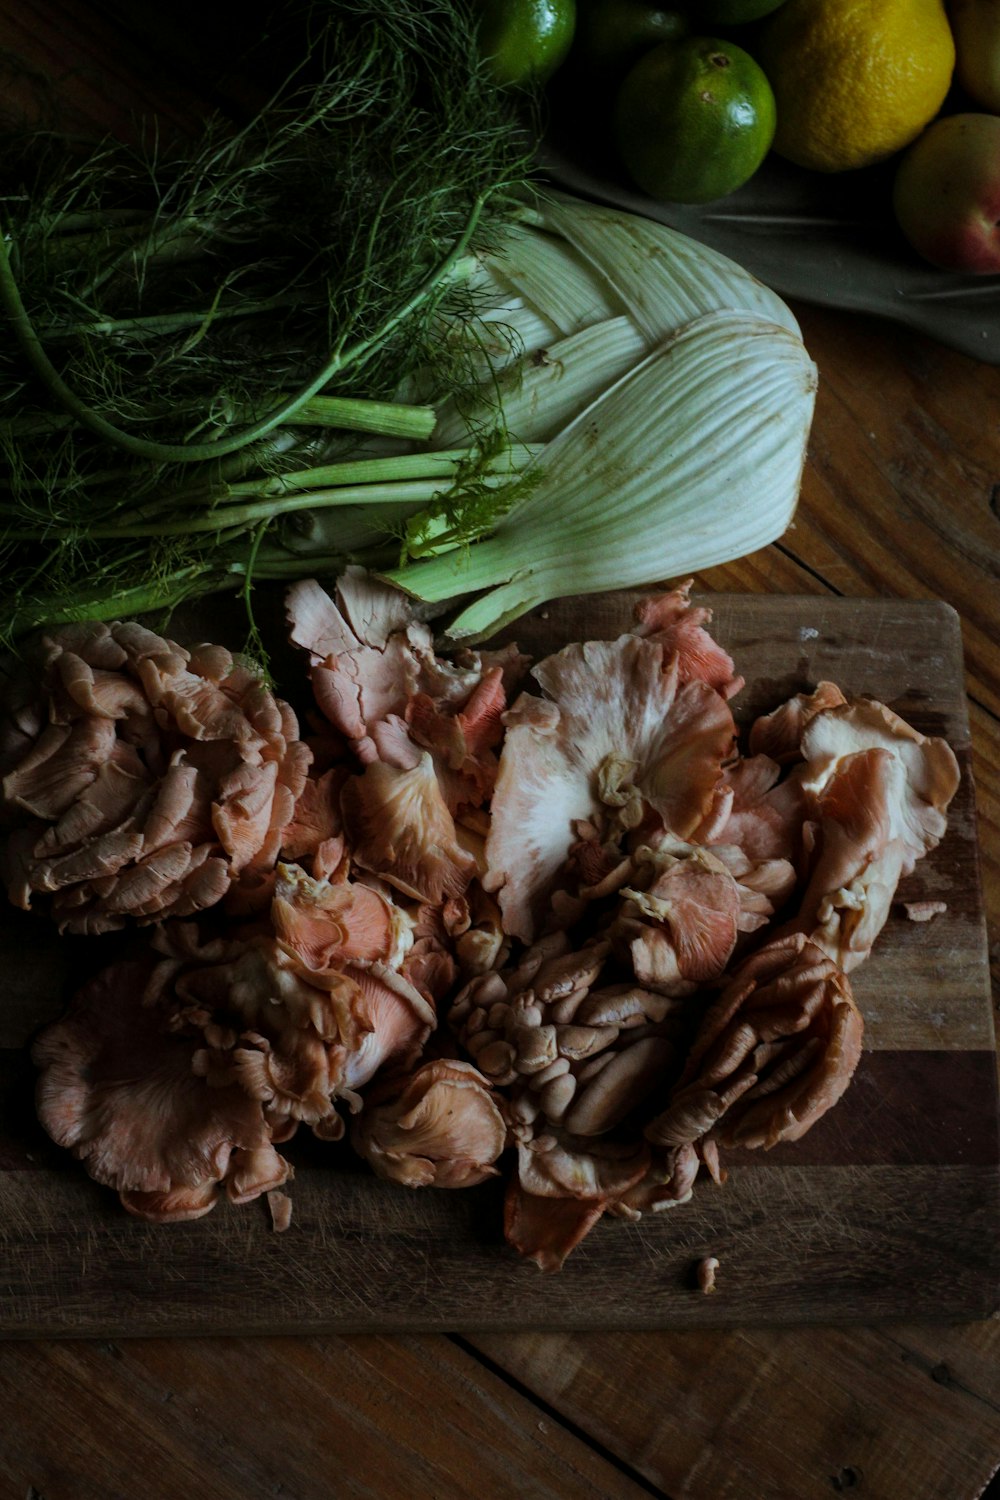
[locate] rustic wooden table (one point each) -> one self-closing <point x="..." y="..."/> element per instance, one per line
<point x="901" y="497"/>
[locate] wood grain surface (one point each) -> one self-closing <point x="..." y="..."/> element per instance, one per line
<point x="900" y="500"/>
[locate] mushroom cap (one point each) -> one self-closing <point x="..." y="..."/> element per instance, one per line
<point x="773" y="1053"/>
<point x="561" y="1189"/>
<point x="378" y="681"/>
<point x="118" y="1088"/>
<point x="679" y="625"/>
<point x="439" y="1126"/>
<point x="293" y="1038"/>
<point x="681" y="927"/>
<point x="156" y="779"/>
<point x="322" y="924"/>
<point x="878" y="792"/>
<point x="778" y="734"/>
<point x="613" y="731"/>
<point x="399" y="827"/>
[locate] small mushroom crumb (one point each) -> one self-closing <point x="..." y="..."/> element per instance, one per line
<point x="281" y="1210"/>
<point x="923" y="911"/>
<point x="706" y="1273"/>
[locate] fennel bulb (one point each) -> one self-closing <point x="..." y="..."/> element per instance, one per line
<point x="690" y="459"/>
<point x="628" y="406"/>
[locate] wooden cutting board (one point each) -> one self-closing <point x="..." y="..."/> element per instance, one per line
<point x="888" y="1208"/>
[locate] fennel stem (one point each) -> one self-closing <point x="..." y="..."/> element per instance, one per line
<point x="345" y="413"/>
<point x="34" y="351"/>
<point x="164" y="322"/>
<point x="414" y="479"/>
<point x="138" y="599"/>
<point x="227" y="518"/>
<point x="212" y="575"/>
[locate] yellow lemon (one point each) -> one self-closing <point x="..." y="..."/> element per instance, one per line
<point x="855" y="80"/>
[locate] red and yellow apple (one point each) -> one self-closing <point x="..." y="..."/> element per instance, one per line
<point x="946" y="193"/>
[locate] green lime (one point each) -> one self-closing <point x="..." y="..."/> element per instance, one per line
<point x="611" y="35"/>
<point x="730" y="12"/>
<point x="694" y="120"/>
<point x="524" y="41"/>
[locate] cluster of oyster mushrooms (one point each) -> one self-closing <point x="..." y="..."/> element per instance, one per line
<point x="558" y="921"/>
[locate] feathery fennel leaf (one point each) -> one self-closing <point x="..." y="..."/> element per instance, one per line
<point x="171" y="308"/>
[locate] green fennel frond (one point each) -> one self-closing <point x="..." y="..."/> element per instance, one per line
<point x="171" y="306"/>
